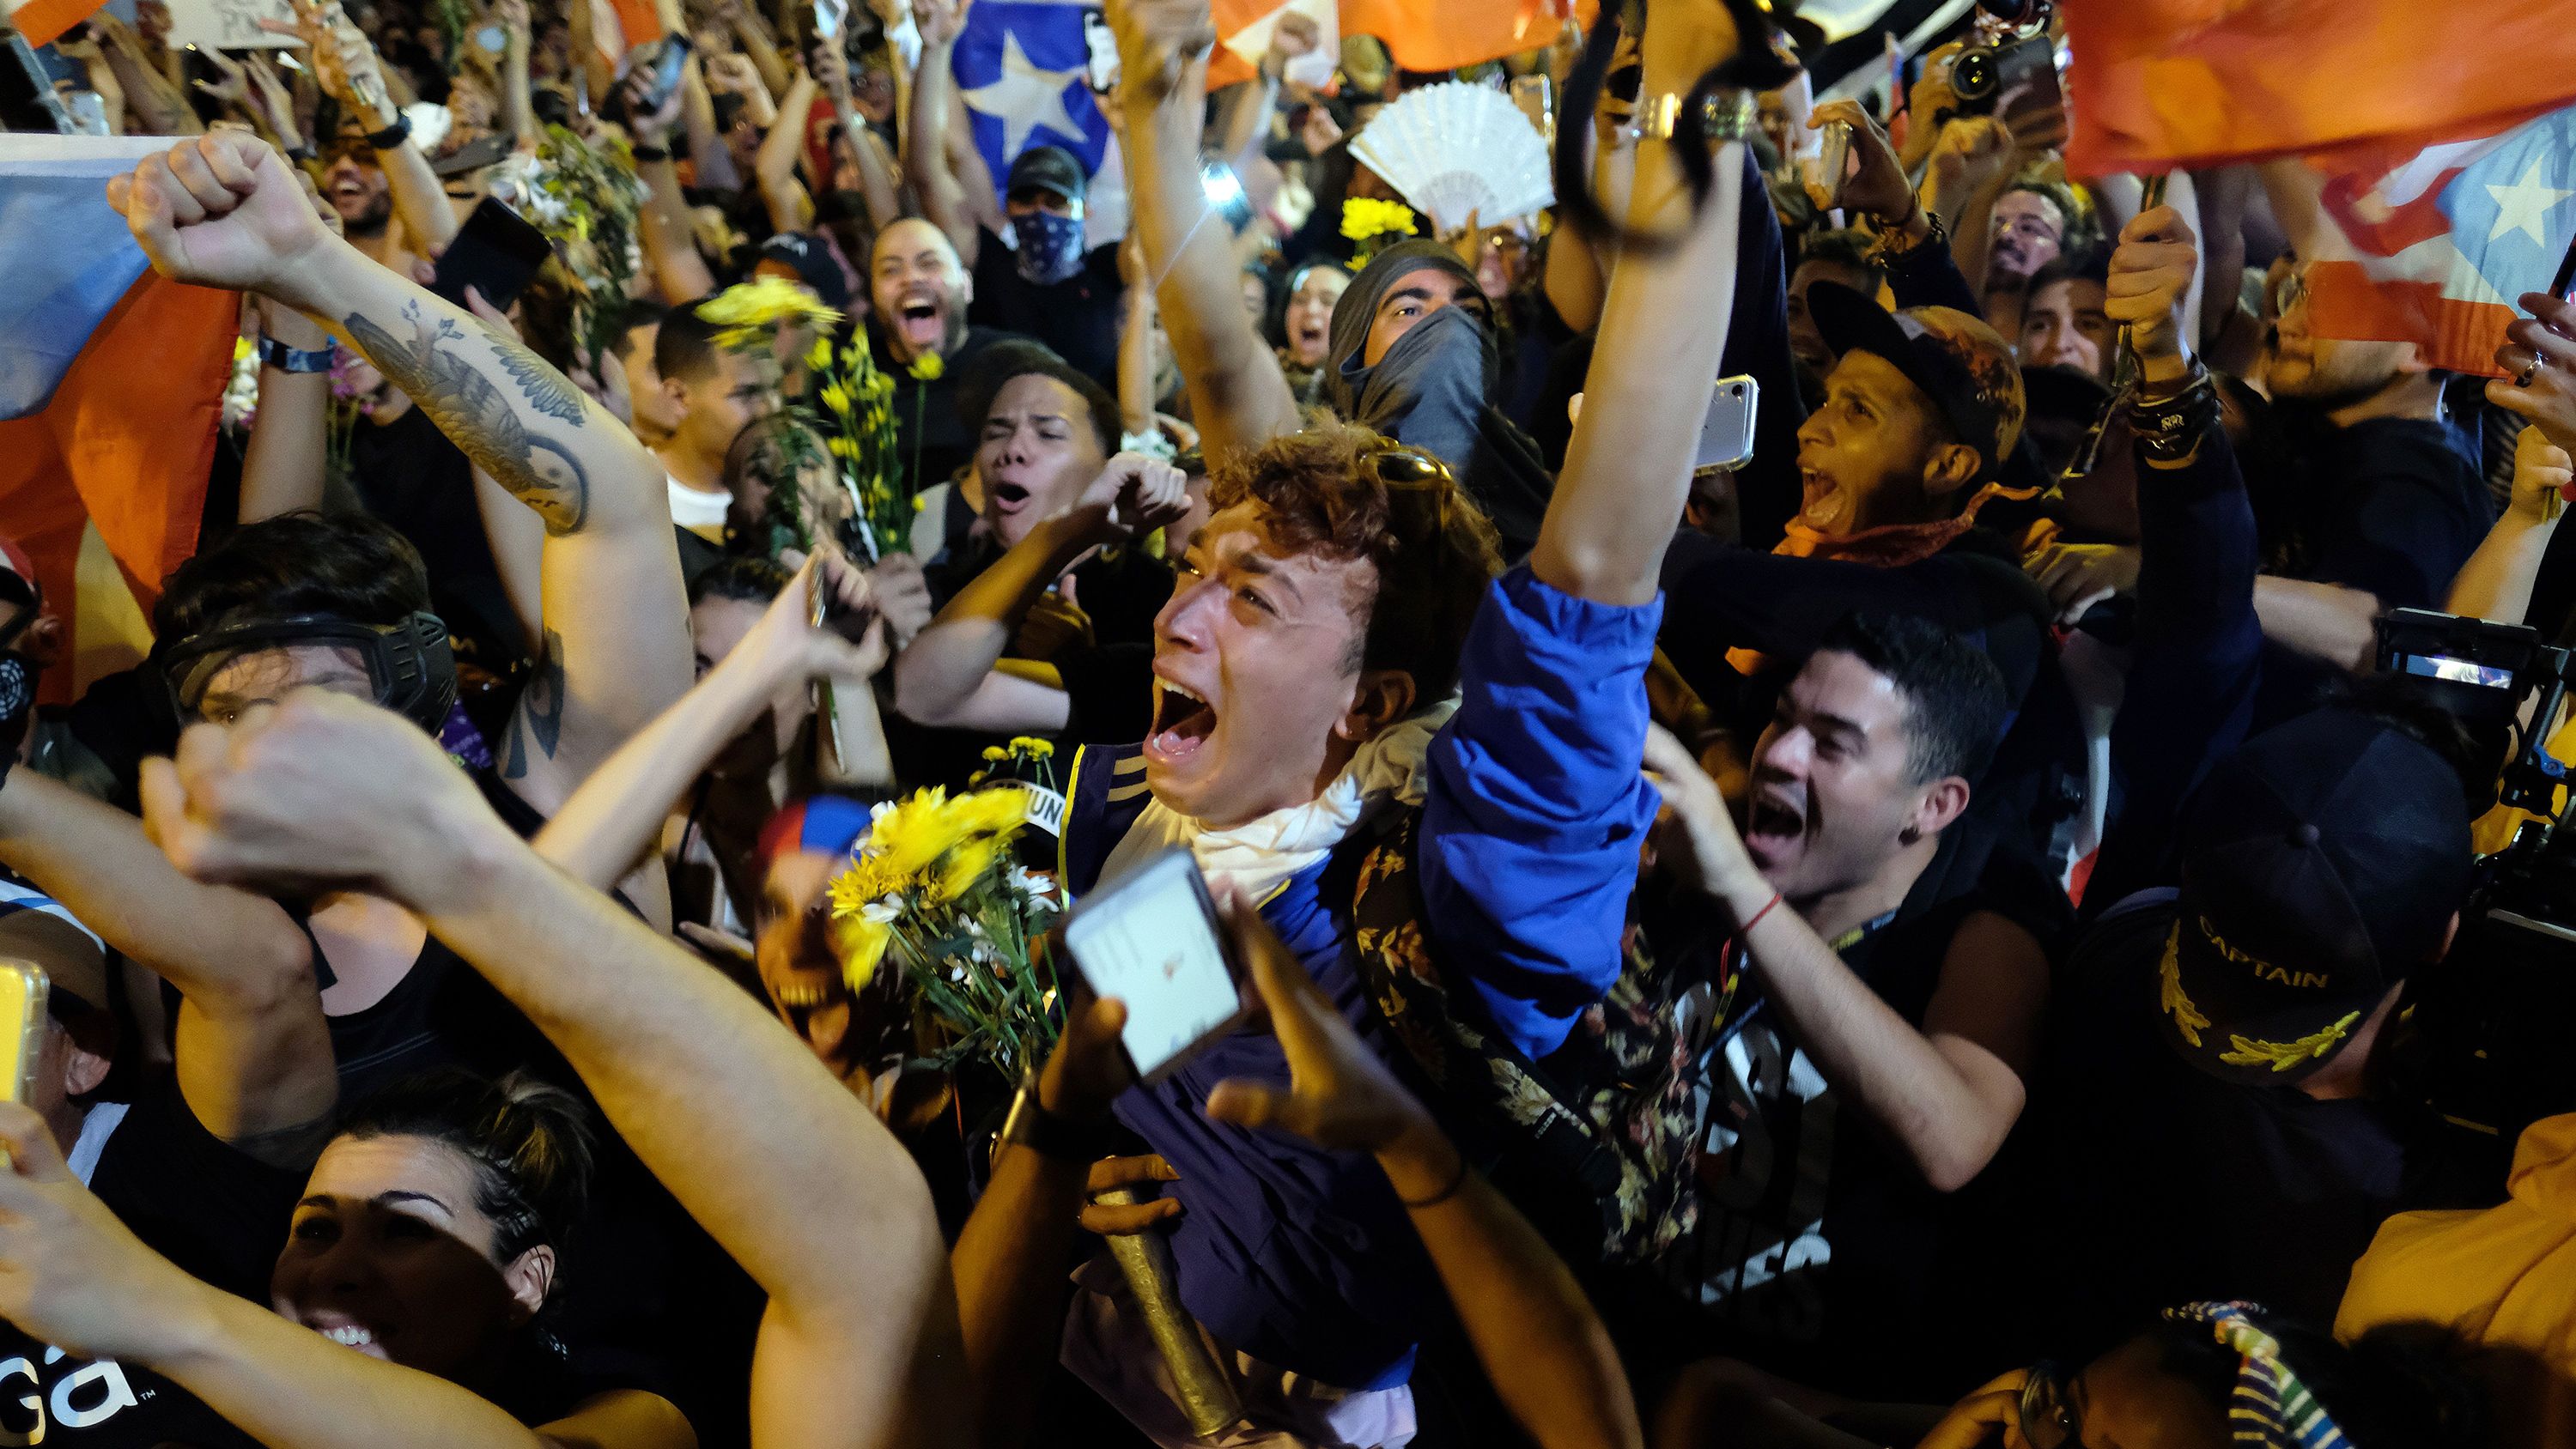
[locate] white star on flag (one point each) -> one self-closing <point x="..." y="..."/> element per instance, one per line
<point x="2522" y="206"/>
<point x="1024" y="98"/>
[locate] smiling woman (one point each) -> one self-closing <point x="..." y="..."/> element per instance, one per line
<point x="427" y="1234"/>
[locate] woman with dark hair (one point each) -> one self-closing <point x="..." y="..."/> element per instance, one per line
<point x="427" y="1236"/>
<point x="1303" y="331"/>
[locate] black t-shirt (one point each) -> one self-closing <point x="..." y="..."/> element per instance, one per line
<point x="931" y="439"/>
<point x="1078" y="317"/>
<point x="1819" y="1247"/>
<point x="1108" y="681"/>
<point x="648" y="1299"/>
<point x="215" y="1212"/>
<point x="1719" y="597"/>
<point x="408" y="474"/>
<point x="2147" y="1182"/>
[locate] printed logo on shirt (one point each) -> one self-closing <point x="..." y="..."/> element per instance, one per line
<point x="1768" y="1161"/>
<point x="92" y="1393"/>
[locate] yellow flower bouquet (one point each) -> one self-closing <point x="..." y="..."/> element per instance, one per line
<point x="935" y="889"/>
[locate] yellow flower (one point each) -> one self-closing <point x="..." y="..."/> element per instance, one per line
<point x="1033" y="747"/>
<point x="927" y="367"/>
<point x="966" y="864"/>
<point x="242" y="349"/>
<point x="995" y="754"/>
<point x="1364" y="217"/>
<point x="749" y="313"/>
<point x="835" y="397"/>
<point x="821" y="356"/>
<point x="861" y="944"/>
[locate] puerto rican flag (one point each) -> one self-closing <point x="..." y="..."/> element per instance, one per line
<point x="111" y="375"/>
<point x="2432" y="244"/>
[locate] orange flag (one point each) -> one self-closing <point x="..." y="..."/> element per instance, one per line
<point x="2163" y="85"/>
<point x="1420" y="34"/>
<point x="125" y="443"/>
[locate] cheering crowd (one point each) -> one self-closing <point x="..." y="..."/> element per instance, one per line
<point x="1946" y="924"/>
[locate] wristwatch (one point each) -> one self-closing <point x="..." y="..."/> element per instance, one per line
<point x="1729" y="113"/>
<point x="273" y="353"/>
<point x="1032" y="1126"/>
<point x="391" y="136"/>
<point x="649" y="153"/>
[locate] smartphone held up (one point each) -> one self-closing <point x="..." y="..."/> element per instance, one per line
<point x="1153" y="940"/>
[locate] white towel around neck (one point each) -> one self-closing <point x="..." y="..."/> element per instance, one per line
<point x="1258" y="855"/>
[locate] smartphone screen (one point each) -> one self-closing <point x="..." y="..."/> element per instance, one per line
<point x="22" y="1019"/>
<point x="496" y="252"/>
<point x="1151" y="941"/>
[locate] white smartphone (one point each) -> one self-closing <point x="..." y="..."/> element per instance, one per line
<point x="1152" y="941"/>
<point x="23" y="989"/>
<point x="1726" y="434"/>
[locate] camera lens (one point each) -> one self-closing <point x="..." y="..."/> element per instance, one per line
<point x="1974" y="75"/>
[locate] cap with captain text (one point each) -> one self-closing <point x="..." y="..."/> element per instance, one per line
<point x="2320" y="864"/>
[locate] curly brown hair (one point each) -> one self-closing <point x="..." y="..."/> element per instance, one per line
<point x="1432" y="548"/>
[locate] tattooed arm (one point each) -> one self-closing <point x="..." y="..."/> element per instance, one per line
<point x="224" y="210"/>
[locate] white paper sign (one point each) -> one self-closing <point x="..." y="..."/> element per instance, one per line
<point x="229" y="24"/>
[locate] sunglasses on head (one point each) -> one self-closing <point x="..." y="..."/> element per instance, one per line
<point x="1413" y="479"/>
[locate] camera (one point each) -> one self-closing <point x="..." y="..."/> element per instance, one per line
<point x="2481" y="1038"/>
<point x="1983" y="73"/>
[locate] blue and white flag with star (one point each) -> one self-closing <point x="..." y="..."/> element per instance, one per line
<point x="2433" y="246"/>
<point x="1025" y="68"/>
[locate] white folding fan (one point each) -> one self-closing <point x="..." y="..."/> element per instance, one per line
<point x="1454" y="150"/>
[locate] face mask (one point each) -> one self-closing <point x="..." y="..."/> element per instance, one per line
<point x="1050" y="246"/>
<point x="17" y="697"/>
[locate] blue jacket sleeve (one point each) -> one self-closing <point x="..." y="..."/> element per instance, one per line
<point x="2190" y="696"/>
<point x="1537" y="808"/>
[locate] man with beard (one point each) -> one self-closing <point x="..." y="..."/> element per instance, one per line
<point x="917" y="298"/>
<point x="2384" y="503"/>
<point x="375" y="172"/>
<point x="1033" y="271"/>
<point x="2035" y="222"/>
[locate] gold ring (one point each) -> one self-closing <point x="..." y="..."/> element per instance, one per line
<point x="2529" y="371"/>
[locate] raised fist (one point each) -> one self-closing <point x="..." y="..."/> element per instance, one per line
<point x="220" y="210"/>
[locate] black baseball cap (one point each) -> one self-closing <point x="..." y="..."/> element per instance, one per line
<point x="1958" y="361"/>
<point x="814" y="266"/>
<point x="2320" y="864"/>
<point x="1048" y="168"/>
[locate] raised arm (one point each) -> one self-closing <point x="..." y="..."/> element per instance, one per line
<point x="225" y="211"/>
<point x="254" y="1057"/>
<point x="947" y="675"/>
<point x="282" y="465"/>
<point x="1238" y="396"/>
<point x="1663" y="325"/>
<point x="782" y="1166"/>
<point x="518" y="100"/>
<point x="790" y="209"/>
<point x="616" y="816"/>
<point x="945" y="201"/>
<point x="877" y="185"/>
<point x="74" y="1275"/>
<point x="670" y="246"/>
<point x="347" y="66"/>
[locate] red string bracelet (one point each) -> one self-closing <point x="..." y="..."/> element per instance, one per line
<point x="1756" y="919"/>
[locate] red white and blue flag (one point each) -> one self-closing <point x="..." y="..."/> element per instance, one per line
<point x="111" y="376"/>
<point x="2432" y="244"/>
